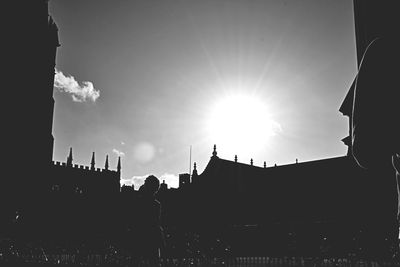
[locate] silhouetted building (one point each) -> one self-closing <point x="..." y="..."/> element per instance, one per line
<point x="184" y="179"/>
<point x="332" y="197"/>
<point x="299" y="191"/>
<point x="127" y="188"/>
<point x="38" y="189"/>
<point x="74" y="178"/>
<point x="32" y="41"/>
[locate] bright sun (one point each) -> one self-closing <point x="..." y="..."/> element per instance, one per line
<point x="241" y="124"/>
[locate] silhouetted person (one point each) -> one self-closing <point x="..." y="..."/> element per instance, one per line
<point x="375" y="130"/>
<point x="149" y="228"/>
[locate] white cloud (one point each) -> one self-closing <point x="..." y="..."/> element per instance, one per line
<point x="171" y="180"/>
<point x="79" y="92"/>
<point x="118" y="153"/>
<point x="126" y="182"/>
<point x="136" y="181"/>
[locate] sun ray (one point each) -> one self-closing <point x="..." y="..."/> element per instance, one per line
<point x="271" y="58"/>
<point x="205" y="51"/>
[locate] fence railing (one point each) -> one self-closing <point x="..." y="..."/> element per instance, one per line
<point x="118" y="260"/>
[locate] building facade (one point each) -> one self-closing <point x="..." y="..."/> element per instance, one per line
<point x="38" y="190"/>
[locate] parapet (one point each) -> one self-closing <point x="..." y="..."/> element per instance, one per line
<point x="82" y="168"/>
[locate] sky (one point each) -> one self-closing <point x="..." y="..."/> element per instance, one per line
<point x="152" y="80"/>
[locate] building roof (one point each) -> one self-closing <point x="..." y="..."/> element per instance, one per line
<point x="222" y="166"/>
<point x="314" y="190"/>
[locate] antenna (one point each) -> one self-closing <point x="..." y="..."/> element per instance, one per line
<point x="190" y="160"/>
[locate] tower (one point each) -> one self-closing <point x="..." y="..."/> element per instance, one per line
<point x="32" y="45"/>
<point x="106" y="164"/>
<point x="119" y="166"/>
<point x="195" y="175"/>
<point x="69" y="158"/>
<point x="92" y="163"/>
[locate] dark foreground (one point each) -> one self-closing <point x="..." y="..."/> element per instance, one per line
<point x="104" y="261"/>
<point x="34" y="254"/>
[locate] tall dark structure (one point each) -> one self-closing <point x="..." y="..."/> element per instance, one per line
<point x="372" y="100"/>
<point x="371" y="20"/>
<point x="27" y="110"/>
<point x="36" y="187"/>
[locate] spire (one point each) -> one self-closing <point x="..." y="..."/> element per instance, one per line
<point x="235" y="158"/>
<point x="195" y="175"/>
<point x="92" y="163"/>
<point x="194" y="169"/>
<point x="69" y="159"/>
<point x="265" y="164"/>
<point x="215" y="151"/>
<point x="251" y="162"/>
<point x="119" y="165"/>
<point x="106" y="164"/>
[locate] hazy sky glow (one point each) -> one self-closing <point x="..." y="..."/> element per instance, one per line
<point x="150" y="76"/>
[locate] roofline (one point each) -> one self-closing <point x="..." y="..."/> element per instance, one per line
<point x="273" y="167"/>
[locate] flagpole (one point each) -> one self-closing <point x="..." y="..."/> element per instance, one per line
<point x="190" y="160"/>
